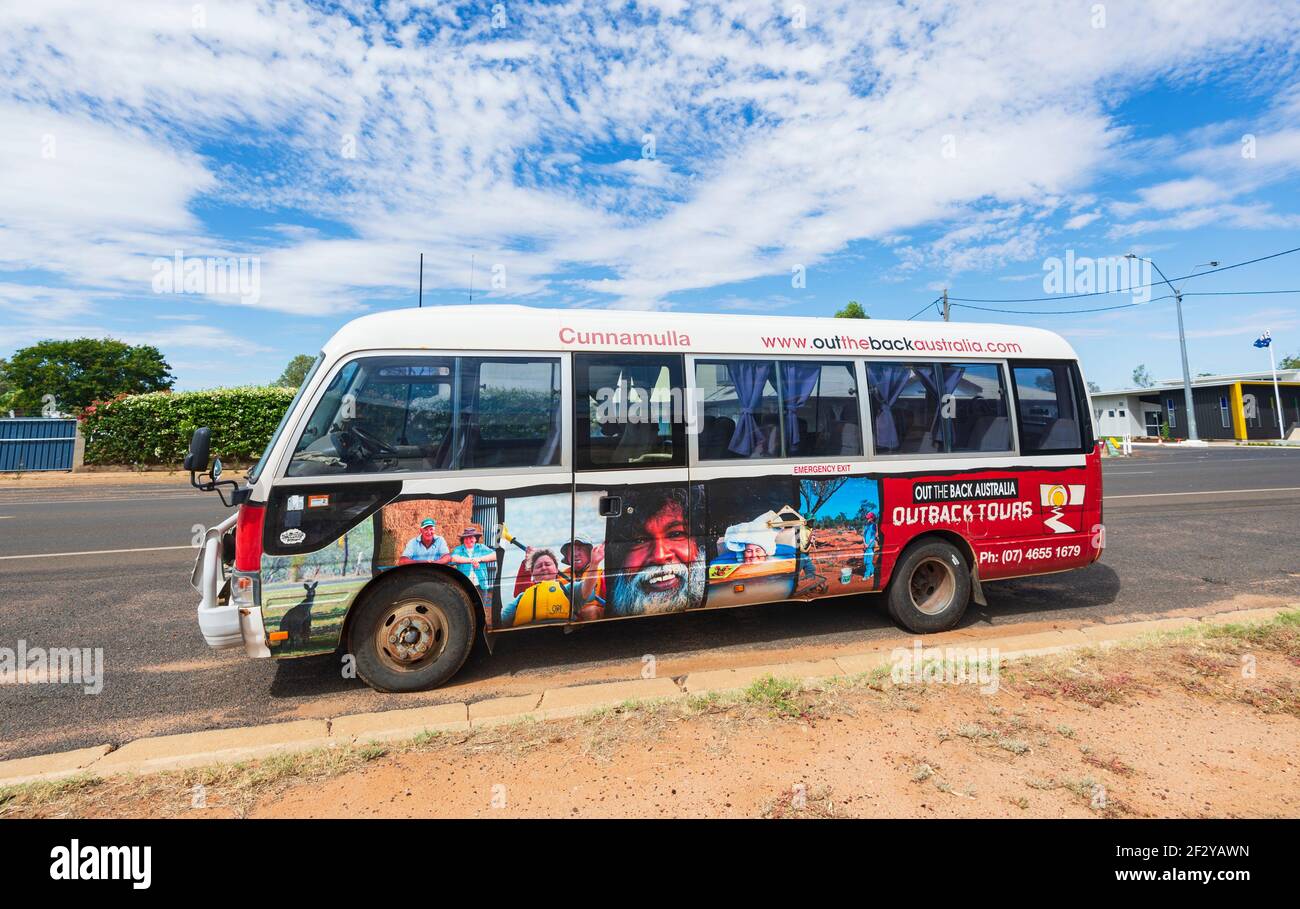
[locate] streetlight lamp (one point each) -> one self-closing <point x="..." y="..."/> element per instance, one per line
<point x="1182" y="343"/>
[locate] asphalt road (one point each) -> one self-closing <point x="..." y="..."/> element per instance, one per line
<point x="1186" y="529"/>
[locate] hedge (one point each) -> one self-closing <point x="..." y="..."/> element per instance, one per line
<point x="155" y="428"/>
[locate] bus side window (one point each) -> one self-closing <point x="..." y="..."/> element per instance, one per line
<point x="628" y="411"/>
<point x="1047" y="405"/>
<point x="905" y="407"/>
<point x="777" y="409"/>
<point x="938" y="408"/>
<point x="742" y="409"/>
<point x="510" y="412"/>
<point x="975" y="410"/>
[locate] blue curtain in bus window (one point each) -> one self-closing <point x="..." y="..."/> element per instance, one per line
<point x="888" y="382"/>
<point x="749" y="377"/>
<point x="798" y="382"/>
<point x="951" y="379"/>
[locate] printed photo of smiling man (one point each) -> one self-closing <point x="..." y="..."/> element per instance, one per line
<point x="655" y="563"/>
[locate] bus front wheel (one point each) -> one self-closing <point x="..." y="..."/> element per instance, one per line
<point x="412" y="634"/>
<point x="930" y="588"/>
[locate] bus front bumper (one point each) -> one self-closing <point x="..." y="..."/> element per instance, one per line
<point x="224" y="620"/>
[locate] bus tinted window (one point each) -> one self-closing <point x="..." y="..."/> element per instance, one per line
<point x="777" y="409"/>
<point x="1047" y="410"/>
<point x="977" y="417"/>
<point x="512" y="412"/>
<point x="628" y="411"/>
<point x="741" y="409"/>
<point x="905" y="408"/>
<point x="938" y="408"/>
<point x="403" y="414"/>
<point x="820" y="404"/>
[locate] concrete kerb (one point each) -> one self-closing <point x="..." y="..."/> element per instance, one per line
<point x="221" y="746"/>
<point x="399" y="725"/>
<point x="560" y="703"/>
<point x="216" y="746"/>
<point x="50" y="767"/>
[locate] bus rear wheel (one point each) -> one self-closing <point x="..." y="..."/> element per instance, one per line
<point x="412" y="634"/>
<point x="930" y="588"/>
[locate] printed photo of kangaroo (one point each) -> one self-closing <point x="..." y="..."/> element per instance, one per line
<point x="305" y="598"/>
<point x="297" y="621"/>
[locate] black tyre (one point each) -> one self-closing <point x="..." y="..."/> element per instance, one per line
<point x="413" y="633"/>
<point x="930" y="587"/>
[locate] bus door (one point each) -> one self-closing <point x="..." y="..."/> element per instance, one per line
<point x="636" y="548"/>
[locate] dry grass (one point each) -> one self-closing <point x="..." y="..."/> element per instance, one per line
<point x="237" y="787"/>
<point x="1212" y="662"/>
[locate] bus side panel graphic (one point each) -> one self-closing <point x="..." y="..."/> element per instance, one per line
<point x="1016" y="522"/>
<point x="545" y="554"/>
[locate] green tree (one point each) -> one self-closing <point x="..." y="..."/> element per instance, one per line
<point x="296" y="371"/>
<point x="1142" y="378"/>
<point x="852" y="310"/>
<point x="1291" y="362"/>
<point x="78" y="372"/>
<point x="6" y="388"/>
<point x="1094" y="387"/>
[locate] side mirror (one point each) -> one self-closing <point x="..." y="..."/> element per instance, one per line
<point x="200" y="444"/>
<point x="216" y="469"/>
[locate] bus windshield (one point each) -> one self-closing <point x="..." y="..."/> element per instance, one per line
<point x="293" y="405"/>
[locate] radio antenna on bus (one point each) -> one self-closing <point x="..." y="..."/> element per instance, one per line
<point x="421" y="306"/>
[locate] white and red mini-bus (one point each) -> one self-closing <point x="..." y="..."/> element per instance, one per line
<point x="459" y="469"/>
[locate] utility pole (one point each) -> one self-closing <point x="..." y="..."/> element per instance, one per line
<point x="421" y="306"/>
<point x="1182" y="347"/>
<point x="945" y="304"/>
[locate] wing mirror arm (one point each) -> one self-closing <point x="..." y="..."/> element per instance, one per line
<point x="196" y="462"/>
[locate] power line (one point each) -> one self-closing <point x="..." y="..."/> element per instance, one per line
<point x="1064" y="312"/>
<point x="923" y="308"/>
<point x="1236" y="293"/>
<point x="1095" y="293"/>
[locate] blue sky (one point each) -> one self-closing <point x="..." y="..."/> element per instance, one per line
<point x="643" y="155"/>
<point x="849" y="498"/>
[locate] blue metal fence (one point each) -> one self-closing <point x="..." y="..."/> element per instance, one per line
<point x="37" y="443"/>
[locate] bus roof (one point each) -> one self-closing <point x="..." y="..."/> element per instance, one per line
<point x="508" y="327"/>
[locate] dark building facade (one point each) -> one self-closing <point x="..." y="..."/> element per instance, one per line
<point x="1230" y="410"/>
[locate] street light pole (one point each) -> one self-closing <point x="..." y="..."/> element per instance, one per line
<point x="1182" y="347"/>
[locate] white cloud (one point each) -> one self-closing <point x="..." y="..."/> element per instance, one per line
<point x="1244" y="217"/>
<point x="1082" y="220"/>
<point x="1246" y="324"/>
<point x="774" y="146"/>
<point x="1181" y="193"/>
